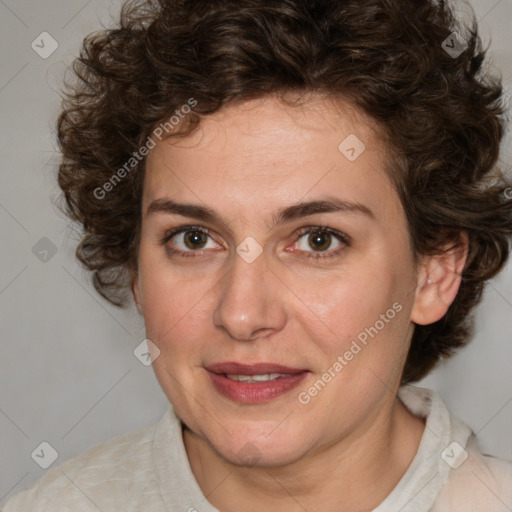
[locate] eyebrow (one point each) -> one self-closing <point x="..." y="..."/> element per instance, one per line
<point x="295" y="211"/>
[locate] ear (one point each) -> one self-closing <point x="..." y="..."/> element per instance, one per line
<point x="136" y="290"/>
<point x="438" y="282"/>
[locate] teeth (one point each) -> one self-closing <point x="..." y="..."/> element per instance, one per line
<point x="256" y="378"/>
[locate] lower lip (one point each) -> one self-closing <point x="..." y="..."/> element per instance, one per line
<point x="255" y="392"/>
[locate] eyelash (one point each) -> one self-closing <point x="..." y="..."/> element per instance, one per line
<point x="317" y="255"/>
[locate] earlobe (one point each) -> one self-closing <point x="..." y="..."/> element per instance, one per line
<point x="438" y="283"/>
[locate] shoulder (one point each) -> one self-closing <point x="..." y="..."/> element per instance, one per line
<point x="467" y="479"/>
<point x="481" y="482"/>
<point x="102" y="477"/>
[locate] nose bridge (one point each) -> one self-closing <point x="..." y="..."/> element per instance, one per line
<point x="248" y="302"/>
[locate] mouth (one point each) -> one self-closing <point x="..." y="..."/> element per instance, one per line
<point x="254" y="383"/>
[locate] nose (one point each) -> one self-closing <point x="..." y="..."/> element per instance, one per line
<point x="250" y="302"/>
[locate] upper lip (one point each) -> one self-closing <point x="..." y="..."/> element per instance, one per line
<point x="252" y="369"/>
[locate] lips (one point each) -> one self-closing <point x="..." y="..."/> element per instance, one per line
<point x="282" y="379"/>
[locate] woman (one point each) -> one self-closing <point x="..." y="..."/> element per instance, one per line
<point x="302" y="198"/>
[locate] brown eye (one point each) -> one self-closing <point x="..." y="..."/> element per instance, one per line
<point x="319" y="240"/>
<point x="188" y="239"/>
<point x="195" y="239"/>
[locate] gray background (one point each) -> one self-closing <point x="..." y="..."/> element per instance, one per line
<point x="68" y="375"/>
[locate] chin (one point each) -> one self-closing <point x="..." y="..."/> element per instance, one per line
<point x="249" y="454"/>
<point x="252" y="448"/>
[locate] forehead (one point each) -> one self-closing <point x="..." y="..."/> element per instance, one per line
<point x="266" y="149"/>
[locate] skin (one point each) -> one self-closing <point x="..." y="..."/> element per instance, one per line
<point x="207" y="304"/>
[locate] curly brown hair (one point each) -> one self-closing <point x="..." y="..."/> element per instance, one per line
<point x="441" y="116"/>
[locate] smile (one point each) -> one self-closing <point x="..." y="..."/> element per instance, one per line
<point x="254" y="383"/>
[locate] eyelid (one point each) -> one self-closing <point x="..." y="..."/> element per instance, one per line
<point x="343" y="237"/>
<point x="181" y="229"/>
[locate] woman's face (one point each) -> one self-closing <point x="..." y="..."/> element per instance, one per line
<point x="290" y="256"/>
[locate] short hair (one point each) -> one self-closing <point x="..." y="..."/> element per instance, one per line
<point x="408" y="64"/>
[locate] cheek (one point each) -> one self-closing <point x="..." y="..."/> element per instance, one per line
<point x="363" y="315"/>
<point x="349" y="300"/>
<point x="173" y="307"/>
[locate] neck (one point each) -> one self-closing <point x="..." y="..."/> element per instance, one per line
<point x="363" y="469"/>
